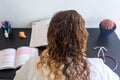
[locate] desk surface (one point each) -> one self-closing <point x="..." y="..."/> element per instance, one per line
<point x="15" y="41"/>
<point x="112" y="44"/>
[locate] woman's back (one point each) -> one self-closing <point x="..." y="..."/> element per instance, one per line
<point x="98" y="71"/>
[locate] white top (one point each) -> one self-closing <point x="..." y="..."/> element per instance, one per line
<point x="99" y="71"/>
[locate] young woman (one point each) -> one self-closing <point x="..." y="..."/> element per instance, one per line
<point x="65" y="57"/>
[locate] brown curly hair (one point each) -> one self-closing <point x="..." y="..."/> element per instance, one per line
<point x="67" y="38"/>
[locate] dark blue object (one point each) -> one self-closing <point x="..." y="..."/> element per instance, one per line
<point x="104" y="33"/>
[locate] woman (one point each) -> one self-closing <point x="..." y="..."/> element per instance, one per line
<point x="65" y="58"/>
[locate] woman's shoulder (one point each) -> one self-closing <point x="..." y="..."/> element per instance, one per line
<point x="96" y="65"/>
<point x="100" y="71"/>
<point x="26" y="71"/>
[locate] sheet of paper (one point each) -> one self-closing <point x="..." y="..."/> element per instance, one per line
<point x="39" y="33"/>
<point x="7" y="58"/>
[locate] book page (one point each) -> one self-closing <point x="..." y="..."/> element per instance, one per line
<point x="39" y="33"/>
<point x="23" y="54"/>
<point x="7" y="58"/>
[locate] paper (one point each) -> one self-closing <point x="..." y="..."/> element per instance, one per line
<point x="39" y="33"/>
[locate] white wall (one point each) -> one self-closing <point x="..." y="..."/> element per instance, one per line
<point x="22" y="12"/>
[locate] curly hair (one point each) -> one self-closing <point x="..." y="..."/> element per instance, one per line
<point x="67" y="39"/>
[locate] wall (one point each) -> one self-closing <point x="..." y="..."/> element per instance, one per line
<point x="22" y="12"/>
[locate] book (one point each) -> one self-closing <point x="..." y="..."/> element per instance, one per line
<point x="39" y="33"/>
<point x="11" y="58"/>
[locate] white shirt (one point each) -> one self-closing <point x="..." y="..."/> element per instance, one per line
<point x="98" y="71"/>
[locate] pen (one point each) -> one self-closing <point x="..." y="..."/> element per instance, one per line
<point x="6" y="24"/>
<point x="2" y="22"/>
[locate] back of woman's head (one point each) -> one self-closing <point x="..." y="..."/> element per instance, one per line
<point x="67" y="33"/>
<point x="67" y="37"/>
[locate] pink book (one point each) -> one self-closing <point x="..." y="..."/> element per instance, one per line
<point x="14" y="58"/>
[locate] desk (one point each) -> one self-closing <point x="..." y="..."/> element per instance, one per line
<point x="112" y="43"/>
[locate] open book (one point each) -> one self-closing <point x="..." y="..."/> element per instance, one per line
<point x="39" y="33"/>
<point x="14" y="58"/>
